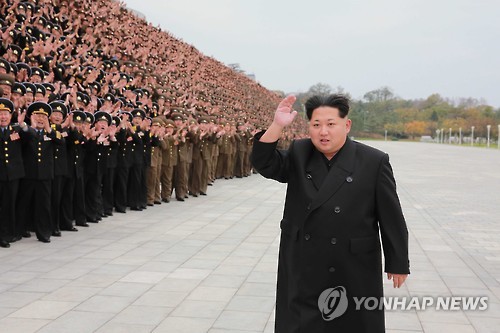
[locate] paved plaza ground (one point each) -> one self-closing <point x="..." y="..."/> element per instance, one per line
<point x="209" y="264"/>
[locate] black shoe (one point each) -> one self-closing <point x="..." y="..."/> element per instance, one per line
<point x="108" y="213"/>
<point x="119" y="210"/>
<point x="157" y="202"/>
<point x="144" y="207"/>
<point x="26" y="234"/>
<point x="203" y="193"/>
<point x="4" y="244"/>
<point x="186" y="196"/>
<point x="91" y="220"/>
<point x="151" y="204"/>
<point x="44" y="240"/>
<point x="56" y="233"/>
<point x="14" y="239"/>
<point x="180" y="199"/>
<point x="210" y="184"/>
<point x="138" y="209"/>
<point x="70" y="229"/>
<point x="83" y="224"/>
<point x="99" y="218"/>
<point x="167" y="200"/>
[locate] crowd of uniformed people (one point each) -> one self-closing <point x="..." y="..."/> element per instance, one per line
<point x="101" y="112"/>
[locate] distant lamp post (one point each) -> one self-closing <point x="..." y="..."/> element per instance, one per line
<point x="488" y="127"/>
<point x="442" y="135"/>
<point x="385" y="136"/>
<point x="472" y="136"/>
<point x="460" y="136"/>
<point x="498" y="137"/>
<point x="438" y="137"/>
<point x="449" y="136"/>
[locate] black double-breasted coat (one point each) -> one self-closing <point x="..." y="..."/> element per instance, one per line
<point x="332" y="224"/>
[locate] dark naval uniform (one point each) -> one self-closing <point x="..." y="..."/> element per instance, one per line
<point x="11" y="171"/>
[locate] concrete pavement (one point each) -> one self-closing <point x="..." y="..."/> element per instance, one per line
<point x="209" y="264"/>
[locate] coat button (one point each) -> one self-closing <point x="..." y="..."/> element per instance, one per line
<point x="337" y="210"/>
<point x="308" y="206"/>
<point x="308" y="176"/>
<point x="307" y="237"/>
<point x="331" y="269"/>
<point x="349" y="179"/>
<point x="334" y="240"/>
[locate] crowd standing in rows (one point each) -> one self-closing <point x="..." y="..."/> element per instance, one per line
<point x="101" y="112"/>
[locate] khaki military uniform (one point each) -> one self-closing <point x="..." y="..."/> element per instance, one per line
<point x="168" y="163"/>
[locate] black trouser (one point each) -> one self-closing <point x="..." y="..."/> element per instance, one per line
<point x="34" y="206"/>
<point x="143" y="198"/>
<point x="134" y="186"/>
<point x="108" y="190"/>
<point x="79" y="208"/>
<point x="121" y="188"/>
<point x="93" y="197"/>
<point x="8" y="196"/>
<point x="57" y="191"/>
<point x="72" y="204"/>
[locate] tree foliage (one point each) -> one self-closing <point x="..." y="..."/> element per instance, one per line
<point x="382" y="110"/>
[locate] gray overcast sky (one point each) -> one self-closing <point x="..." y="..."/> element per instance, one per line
<point x="417" y="48"/>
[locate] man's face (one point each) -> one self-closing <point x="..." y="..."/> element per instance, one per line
<point x="5" y="117"/>
<point x="136" y="121"/>
<point x="40" y="97"/>
<point x="56" y="118"/>
<point x="38" y="120"/>
<point x="28" y="98"/>
<point x="79" y="125"/>
<point x="17" y="99"/>
<point x="35" y="78"/>
<point x="6" y="90"/>
<point x="327" y="130"/>
<point x="178" y="123"/>
<point x="101" y="125"/>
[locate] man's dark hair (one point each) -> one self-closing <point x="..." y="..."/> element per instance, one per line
<point x="337" y="101"/>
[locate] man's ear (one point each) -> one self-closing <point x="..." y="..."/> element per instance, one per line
<point x="348" y="125"/>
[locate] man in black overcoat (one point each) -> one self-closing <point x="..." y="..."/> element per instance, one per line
<point x="341" y="201"/>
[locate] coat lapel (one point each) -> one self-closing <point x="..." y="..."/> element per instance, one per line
<point x="339" y="174"/>
<point x="316" y="170"/>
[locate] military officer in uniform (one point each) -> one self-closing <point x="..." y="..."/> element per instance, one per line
<point x="73" y="197"/>
<point x="168" y="161"/>
<point x="59" y="113"/>
<point x="109" y="176"/>
<point x="153" y="170"/>
<point x="137" y="166"/>
<point x="96" y="164"/>
<point x="181" y="169"/>
<point x="11" y="171"/>
<point x="38" y="156"/>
